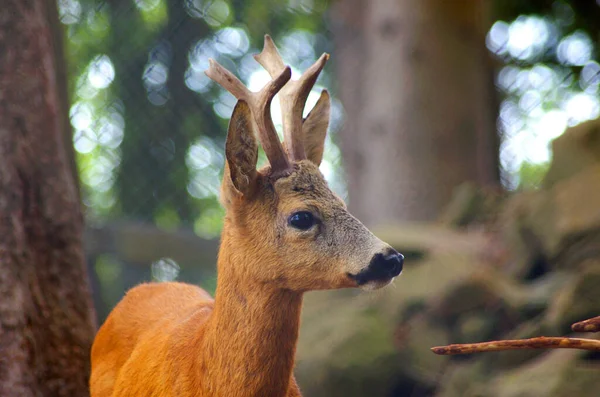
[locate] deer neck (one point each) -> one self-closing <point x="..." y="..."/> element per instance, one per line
<point x="252" y="333"/>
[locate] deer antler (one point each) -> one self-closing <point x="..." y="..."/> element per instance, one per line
<point x="292" y="96"/>
<point x="260" y="106"/>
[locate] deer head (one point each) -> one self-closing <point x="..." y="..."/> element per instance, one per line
<point x="283" y="217"/>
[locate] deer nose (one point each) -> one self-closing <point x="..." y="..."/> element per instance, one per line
<point x="387" y="266"/>
<point x="382" y="267"/>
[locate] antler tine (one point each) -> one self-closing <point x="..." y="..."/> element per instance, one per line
<point x="227" y="80"/>
<point x="269" y="58"/>
<point x="260" y="106"/>
<point x="292" y="96"/>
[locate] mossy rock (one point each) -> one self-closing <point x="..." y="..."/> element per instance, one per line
<point x="577" y="300"/>
<point x="555" y="373"/>
<point x="540" y="225"/>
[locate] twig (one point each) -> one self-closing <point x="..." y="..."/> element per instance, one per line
<point x="541" y="342"/>
<point x="591" y="325"/>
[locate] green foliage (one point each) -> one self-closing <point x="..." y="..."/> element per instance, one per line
<point x="531" y="175"/>
<point x="549" y="80"/>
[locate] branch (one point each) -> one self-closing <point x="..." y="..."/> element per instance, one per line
<point x="591" y="325"/>
<point x="541" y="342"/>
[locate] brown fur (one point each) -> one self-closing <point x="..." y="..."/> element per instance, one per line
<point x="172" y="339"/>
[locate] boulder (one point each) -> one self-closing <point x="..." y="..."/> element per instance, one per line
<point x="540" y="225"/>
<point x="574" y="151"/>
<point x="553" y="373"/>
<point x="577" y="300"/>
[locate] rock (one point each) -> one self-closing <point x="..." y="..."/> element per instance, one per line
<point x="523" y="245"/>
<point x="463" y="206"/>
<point x="554" y="373"/>
<point x="462" y="380"/>
<point x="470" y="204"/>
<point x="577" y="204"/>
<point x="537" y="294"/>
<point x="540" y="225"/>
<point x="412" y="344"/>
<point x="579" y="379"/>
<point x="575" y="150"/>
<point x="577" y="300"/>
<point x="484" y="288"/>
<point x="481" y="307"/>
<point x="351" y="353"/>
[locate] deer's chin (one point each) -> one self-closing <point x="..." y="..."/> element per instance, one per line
<point x="376" y="284"/>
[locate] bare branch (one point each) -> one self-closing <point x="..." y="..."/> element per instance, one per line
<point x="590" y="325"/>
<point x="541" y="342"/>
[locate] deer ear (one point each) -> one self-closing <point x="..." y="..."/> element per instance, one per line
<point x="314" y="128"/>
<point x="241" y="151"/>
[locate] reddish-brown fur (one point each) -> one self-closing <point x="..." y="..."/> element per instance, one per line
<point x="173" y="339"/>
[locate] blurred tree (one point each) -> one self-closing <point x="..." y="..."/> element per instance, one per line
<point x="573" y="14"/>
<point x="150" y="83"/>
<point x="417" y="85"/>
<point x="548" y="78"/>
<point x="46" y="316"/>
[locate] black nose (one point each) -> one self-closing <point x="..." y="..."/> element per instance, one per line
<point x="382" y="267"/>
<point x="387" y="266"/>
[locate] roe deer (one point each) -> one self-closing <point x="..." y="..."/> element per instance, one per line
<point x="285" y="233"/>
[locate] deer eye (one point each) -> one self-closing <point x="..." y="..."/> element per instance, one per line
<point x="302" y="220"/>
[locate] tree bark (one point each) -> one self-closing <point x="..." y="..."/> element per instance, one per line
<point x="417" y="87"/>
<point x="46" y="315"/>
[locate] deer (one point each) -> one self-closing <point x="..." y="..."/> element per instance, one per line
<point x="285" y="233"/>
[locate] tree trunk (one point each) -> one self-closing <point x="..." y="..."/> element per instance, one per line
<point x="46" y="316"/>
<point x="417" y="87"/>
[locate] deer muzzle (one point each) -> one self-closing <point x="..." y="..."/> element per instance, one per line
<point x="381" y="270"/>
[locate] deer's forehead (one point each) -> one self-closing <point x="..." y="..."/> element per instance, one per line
<point x="308" y="187"/>
<point x="303" y="181"/>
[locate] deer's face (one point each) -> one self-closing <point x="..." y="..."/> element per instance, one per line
<point x="300" y="235"/>
<point x="297" y="232"/>
<point x="314" y="242"/>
